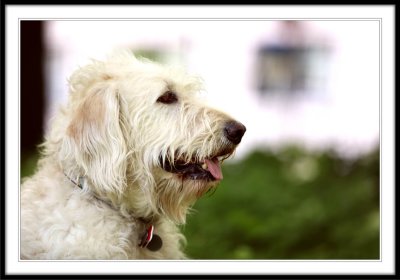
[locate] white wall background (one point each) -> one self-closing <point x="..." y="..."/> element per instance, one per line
<point x="343" y="116"/>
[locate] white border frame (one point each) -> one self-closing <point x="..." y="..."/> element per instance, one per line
<point x="384" y="266"/>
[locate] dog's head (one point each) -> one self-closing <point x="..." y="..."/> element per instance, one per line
<point x="143" y="137"/>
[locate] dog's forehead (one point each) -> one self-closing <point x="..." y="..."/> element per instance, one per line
<point x="159" y="79"/>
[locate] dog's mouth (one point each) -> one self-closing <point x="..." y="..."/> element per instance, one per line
<point x="208" y="169"/>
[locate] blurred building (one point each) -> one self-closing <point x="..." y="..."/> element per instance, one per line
<point x="292" y="60"/>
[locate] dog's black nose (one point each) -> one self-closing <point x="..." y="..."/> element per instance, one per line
<point x="234" y="131"/>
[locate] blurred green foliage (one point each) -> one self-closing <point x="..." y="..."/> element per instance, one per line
<point x="286" y="204"/>
<point x="290" y="204"/>
<point x="28" y="164"/>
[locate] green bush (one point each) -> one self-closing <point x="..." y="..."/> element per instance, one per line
<point x="290" y="204"/>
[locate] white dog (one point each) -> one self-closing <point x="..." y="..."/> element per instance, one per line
<point x="123" y="162"/>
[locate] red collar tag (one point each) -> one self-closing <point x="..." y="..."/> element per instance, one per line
<point x="147" y="237"/>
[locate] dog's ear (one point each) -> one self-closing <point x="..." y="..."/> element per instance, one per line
<point x="97" y="134"/>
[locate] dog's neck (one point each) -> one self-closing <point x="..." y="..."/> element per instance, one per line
<point x="126" y="210"/>
<point x="148" y="239"/>
<point x="80" y="181"/>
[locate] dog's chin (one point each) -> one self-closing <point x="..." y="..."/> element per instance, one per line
<point x="183" y="181"/>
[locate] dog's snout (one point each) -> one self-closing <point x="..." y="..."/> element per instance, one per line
<point x="234" y="131"/>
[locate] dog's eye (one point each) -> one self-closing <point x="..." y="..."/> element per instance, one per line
<point x="168" y="97"/>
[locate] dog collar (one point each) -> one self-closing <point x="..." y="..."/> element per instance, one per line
<point x="78" y="183"/>
<point x="148" y="239"/>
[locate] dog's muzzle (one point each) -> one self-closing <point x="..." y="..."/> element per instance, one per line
<point x="208" y="169"/>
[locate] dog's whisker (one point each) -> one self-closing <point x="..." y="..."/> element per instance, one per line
<point x="181" y="188"/>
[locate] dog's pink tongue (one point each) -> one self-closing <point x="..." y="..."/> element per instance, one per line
<point x="214" y="167"/>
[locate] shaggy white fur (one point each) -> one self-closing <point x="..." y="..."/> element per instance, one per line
<point x="135" y="146"/>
